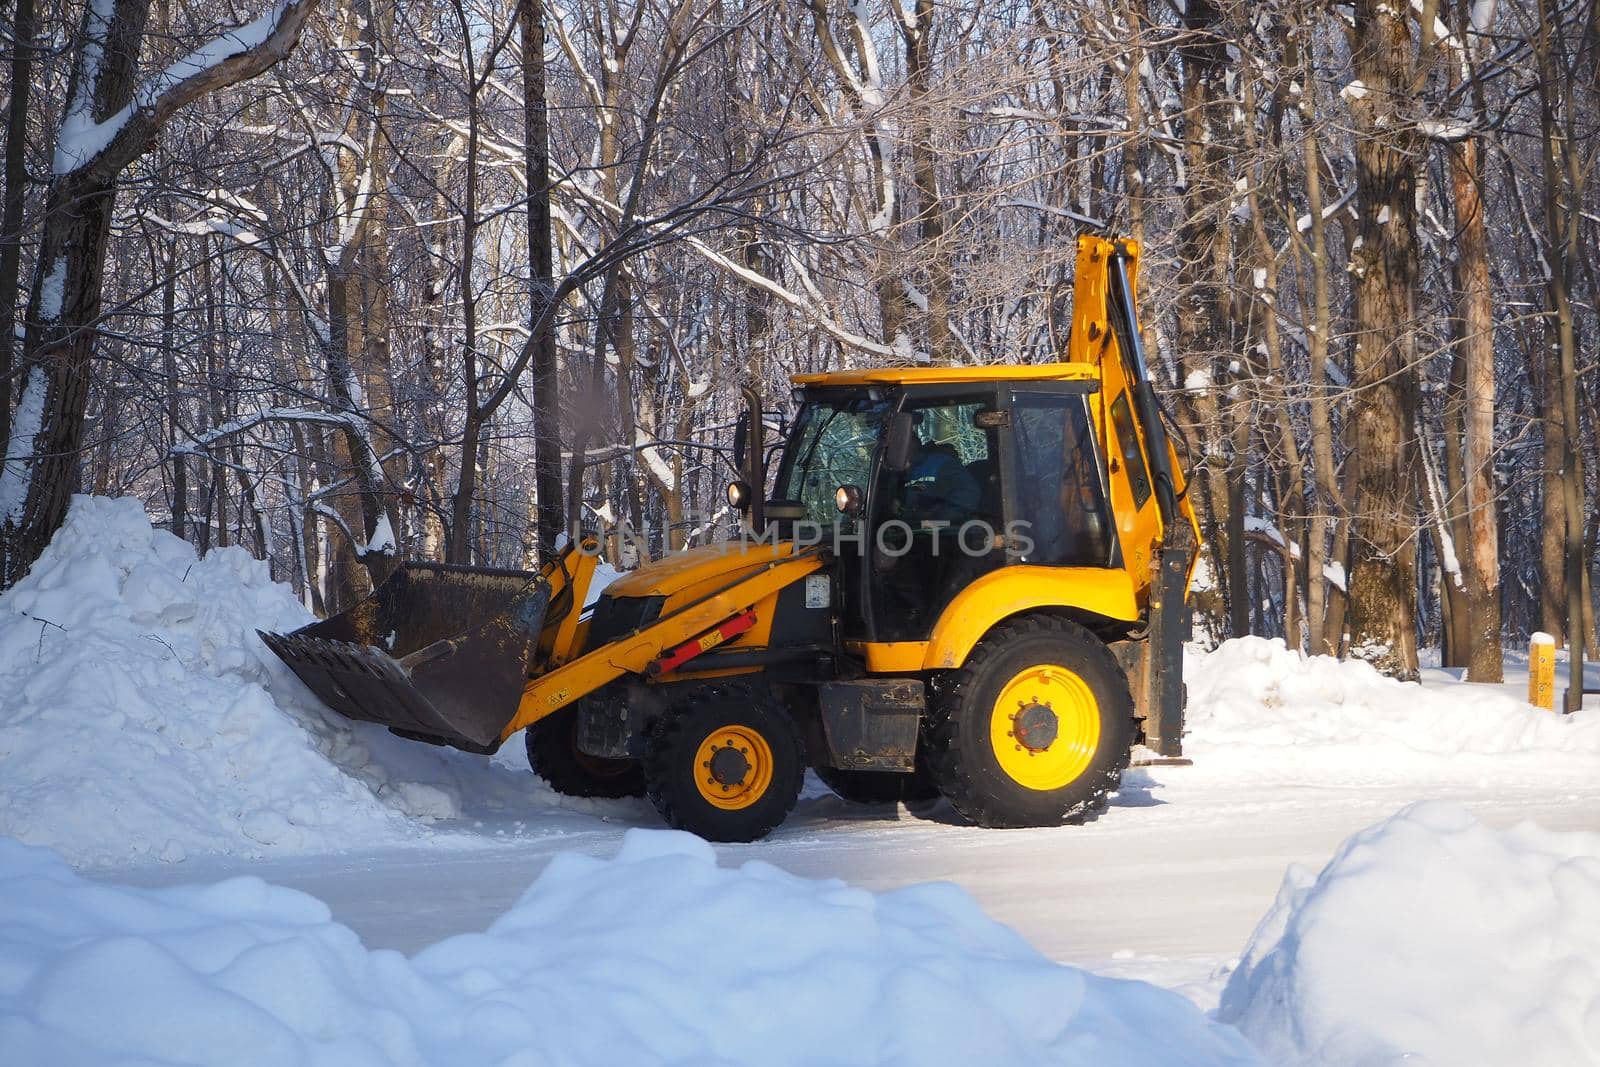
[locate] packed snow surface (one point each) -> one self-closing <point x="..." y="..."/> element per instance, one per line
<point x="1254" y="700"/>
<point x="657" y="956"/>
<point x="141" y="716"/>
<point x="1430" y="939"/>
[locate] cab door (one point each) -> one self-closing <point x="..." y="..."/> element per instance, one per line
<point x="1057" y="506"/>
<point x="935" y="526"/>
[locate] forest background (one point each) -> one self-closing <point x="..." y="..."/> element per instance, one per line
<point x="351" y="281"/>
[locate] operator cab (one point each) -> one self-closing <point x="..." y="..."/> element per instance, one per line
<point x="919" y="488"/>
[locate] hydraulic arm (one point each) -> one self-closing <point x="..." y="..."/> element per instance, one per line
<point x="467" y="657"/>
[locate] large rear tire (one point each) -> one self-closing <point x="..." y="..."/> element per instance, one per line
<point x="554" y="755"/>
<point x="1035" y="729"/>
<point x="725" y="761"/>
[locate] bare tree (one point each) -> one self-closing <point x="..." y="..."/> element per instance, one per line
<point x="111" y="118"/>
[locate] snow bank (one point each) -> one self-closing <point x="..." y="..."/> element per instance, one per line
<point x="657" y="956"/>
<point x="1430" y="939"/>
<point x="1252" y="693"/>
<point x="141" y="717"/>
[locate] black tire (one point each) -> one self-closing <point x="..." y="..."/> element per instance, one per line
<point x="880" y="787"/>
<point x="554" y="755"/>
<point x="962" y="732"/>
<point x="763" y="786"/>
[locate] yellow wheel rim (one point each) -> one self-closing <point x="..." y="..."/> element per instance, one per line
<point x="1045" y="727"/>
<point x="733" y="767"/>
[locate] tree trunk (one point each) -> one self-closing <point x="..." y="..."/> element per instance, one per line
<point x="1480" y="555"/>
<point x="1203" y="254"/>
<point x="1563" y="186"/>
<point x="464" y="502"/>
<point x="1553" y="519"/>
<point x="543" y="366"/>
<point x="16" y="188"/>
<point x="1383" y="578"/>
<point x="1320" y="593"/>
<point x="169" y="365"/>
<point x="918" y="33"/>
<point x="42" y="457"/>
<point x="42" y="462"/>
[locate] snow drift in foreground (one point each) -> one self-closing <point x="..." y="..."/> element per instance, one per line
<point x="657" y="956"/>
<point x="1430" y="939"/>
<point x="1253" y="694"/>
<point x="141" y="717"/>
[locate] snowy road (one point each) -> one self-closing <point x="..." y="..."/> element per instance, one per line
<point x="1166" y="887"/>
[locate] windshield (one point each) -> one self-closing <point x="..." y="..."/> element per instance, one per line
<point x="832" y="445"/>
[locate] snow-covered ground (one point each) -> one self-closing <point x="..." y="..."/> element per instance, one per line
<point x="147" y="737"/>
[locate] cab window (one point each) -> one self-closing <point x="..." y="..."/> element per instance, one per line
<point x="832" y="445"/>
<point x="1060" y="490"/>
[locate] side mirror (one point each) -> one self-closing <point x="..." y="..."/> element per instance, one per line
<point x="741" y="440"/>
<point x="847" y="498"/>
<point x="897" y="444"/>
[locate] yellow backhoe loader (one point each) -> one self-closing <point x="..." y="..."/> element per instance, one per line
<point x="967" y="582"/>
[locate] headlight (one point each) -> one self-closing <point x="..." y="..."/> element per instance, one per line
<point x="847" y="498"/>
<point x="738" y="495"/>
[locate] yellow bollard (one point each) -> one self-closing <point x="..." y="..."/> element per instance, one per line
<point x="1542" y="671"/>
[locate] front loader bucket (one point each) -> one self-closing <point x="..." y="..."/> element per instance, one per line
<point x="437" y="653"/>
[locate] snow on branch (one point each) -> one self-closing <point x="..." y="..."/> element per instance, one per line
<point x="204" y="441"/>
<point x="817" y="316"/>
<point x="660" y="470"/>
<point x="1448" y="131"/>
<point x="1052" y="209"/>
<point x="101" y="149"/>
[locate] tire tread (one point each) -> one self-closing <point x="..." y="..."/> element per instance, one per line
<point x="959" y="782"/>
<point x="670" y="734"/>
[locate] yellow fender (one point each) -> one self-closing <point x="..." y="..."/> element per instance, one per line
<point x="1013" y="590"/>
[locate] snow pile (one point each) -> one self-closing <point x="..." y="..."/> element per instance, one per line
<point x="1430" y="939"/>
<point x="142" y="718"/>
<point x="656" y="956"/>
<point x="1252" y="693"/>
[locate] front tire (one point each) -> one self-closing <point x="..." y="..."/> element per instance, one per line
<point x="725" y="762"/>
<point x="554" y="755"/>
<point x="1035" y="729"/>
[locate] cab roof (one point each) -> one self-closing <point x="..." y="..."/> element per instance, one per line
<point x="999" y="372"/>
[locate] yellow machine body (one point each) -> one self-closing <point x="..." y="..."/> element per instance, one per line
<point x="713" y="596"/>
<point x="714" y="612"/>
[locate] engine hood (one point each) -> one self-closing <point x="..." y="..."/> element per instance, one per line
<point x="697" y="571"/>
